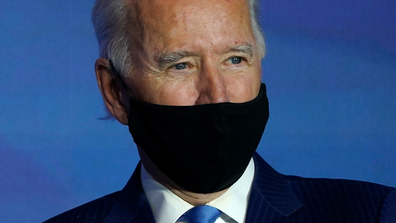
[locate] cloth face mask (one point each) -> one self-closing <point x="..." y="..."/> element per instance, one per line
<point x="202" y="148"/>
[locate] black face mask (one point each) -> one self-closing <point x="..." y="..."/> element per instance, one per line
<point x="202" y="148"/>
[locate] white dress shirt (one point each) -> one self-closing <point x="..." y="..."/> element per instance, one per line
<point x="167" y="207"/>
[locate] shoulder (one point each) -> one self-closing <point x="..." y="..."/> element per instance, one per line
<point x="346" y="198"/>
<point x="319" y="199"/>
<point x="93" y="211"/>
<point x="338" y="186"/>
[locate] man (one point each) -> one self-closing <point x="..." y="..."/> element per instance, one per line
<point x="185" y="76"/>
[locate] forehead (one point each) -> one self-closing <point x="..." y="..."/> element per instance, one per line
<point x="170" y="22"/>
<point x="168" y="9"/>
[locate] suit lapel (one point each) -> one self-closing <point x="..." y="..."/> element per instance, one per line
<point x="270" y="190"/>
<point x="132" y="204"/>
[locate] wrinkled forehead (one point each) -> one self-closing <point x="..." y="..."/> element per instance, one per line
<point x="176" y="9"/>
<point x="157" y="15"/>
<point x="163" y="17"/>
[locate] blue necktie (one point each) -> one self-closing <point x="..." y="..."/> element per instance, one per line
<point x="201" y="214"/>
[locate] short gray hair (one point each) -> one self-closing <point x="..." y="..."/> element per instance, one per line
<point x="110" y="19"/>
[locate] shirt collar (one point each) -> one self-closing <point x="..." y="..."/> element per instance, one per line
<point x="167" y="207"/>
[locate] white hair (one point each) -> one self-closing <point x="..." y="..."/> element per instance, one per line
<point x="110" y="19"/>
<point x="257" y="31"/>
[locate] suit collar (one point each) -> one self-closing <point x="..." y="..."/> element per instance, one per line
<point x="132" y="204"/>
<point x="271" y="187"/>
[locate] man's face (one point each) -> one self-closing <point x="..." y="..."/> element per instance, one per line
<point x="195" y="52"/>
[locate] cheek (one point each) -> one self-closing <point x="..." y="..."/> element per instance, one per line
<point x="245" y="87"/>
<point x="171" y="93"/>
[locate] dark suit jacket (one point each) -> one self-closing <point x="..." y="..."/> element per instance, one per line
<point x="274" y="198"/>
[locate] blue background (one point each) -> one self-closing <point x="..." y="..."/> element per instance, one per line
<point x="330" y="71"/>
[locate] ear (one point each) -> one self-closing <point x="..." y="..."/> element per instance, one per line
<point x="110" y="90"/>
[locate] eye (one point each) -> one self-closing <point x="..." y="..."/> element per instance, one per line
<point x="236" y="60"/>
<point x="180" y="66"/>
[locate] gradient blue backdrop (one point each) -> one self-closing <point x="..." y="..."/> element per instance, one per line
<point x="330" y="70"/>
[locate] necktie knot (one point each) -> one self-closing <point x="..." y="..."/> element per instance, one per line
<point x="201" y="214"/>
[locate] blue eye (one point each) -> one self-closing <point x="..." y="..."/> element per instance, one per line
<point x="236" y="60"/>
<point x="181" y="66"/>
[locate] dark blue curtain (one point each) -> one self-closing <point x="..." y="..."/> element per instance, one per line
<point x="330" y="71"/>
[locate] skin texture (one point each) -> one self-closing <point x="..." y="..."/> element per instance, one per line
<point x="186" y="52"/>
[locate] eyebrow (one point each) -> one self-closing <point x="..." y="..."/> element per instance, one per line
<point x="244" y="48"/>
<point x="167" y="59"/>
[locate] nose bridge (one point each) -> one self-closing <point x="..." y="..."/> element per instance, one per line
<point x="212" y="84"/>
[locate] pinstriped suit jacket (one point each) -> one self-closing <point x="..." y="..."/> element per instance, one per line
<point x="274" y="198"/>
